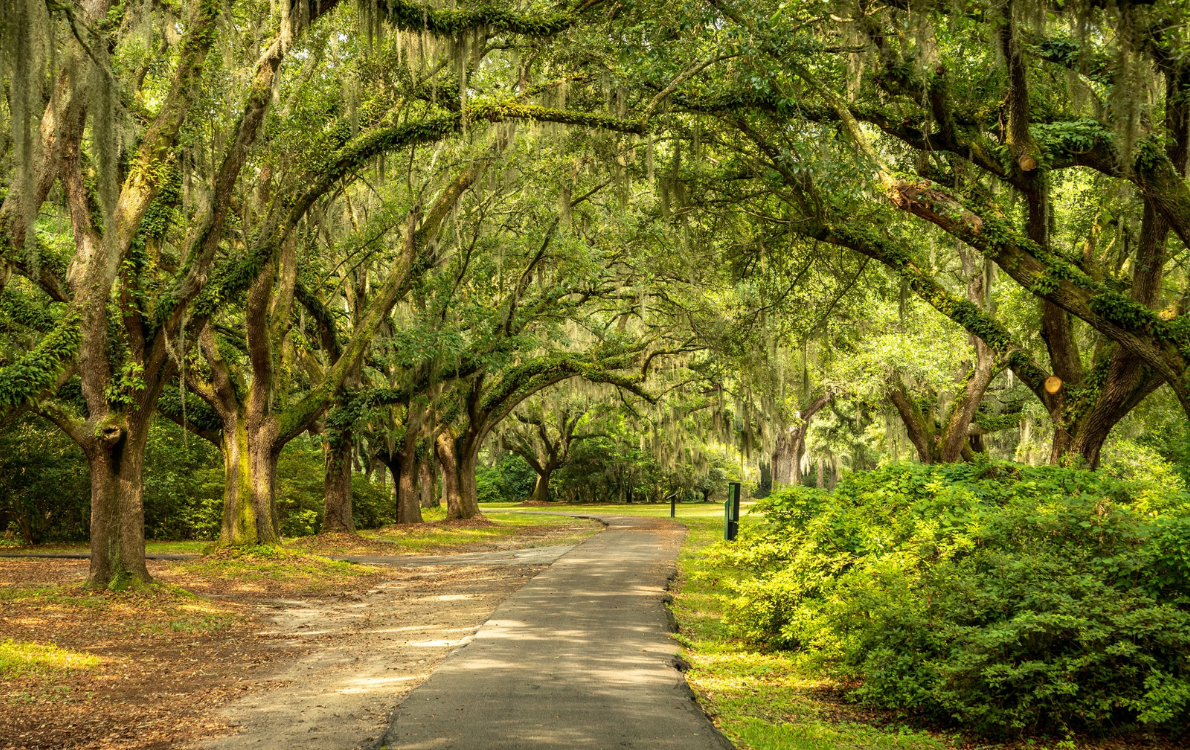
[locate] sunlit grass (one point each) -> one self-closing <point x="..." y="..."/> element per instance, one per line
<point x="81" y="548"/>
<point x="429" y="538"/>
<point x="651" y="510"/>
<point x="272" y="563"/>
<point x="19" y="659"/>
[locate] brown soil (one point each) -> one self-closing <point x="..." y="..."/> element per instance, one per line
<point x="173" y="666"/>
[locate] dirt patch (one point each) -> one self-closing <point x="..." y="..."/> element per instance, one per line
<point x="165" y="658"/>
<point x="173" y="668"/>
<point x="359" y="657"/>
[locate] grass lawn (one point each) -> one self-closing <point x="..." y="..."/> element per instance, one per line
<point x="494" y="530"/>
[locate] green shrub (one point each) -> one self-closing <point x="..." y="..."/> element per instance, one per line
<point x="509" y="481"/>
<point x="1004" y="597"/>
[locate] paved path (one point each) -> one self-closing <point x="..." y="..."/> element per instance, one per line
<point x="531" y="556"/>
<point x="579" y="657"/>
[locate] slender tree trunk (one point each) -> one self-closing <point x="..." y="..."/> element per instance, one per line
<point x="795" y="460"/>
<point x="337" y="516"/>
<point x="821" y="473"/>
<point x="963" y="410"/>
<point x="782" y="470"/>
<point x="919" y="432"/>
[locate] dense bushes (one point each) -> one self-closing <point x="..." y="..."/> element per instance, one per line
<point x="1001" y="596"/>
<point x="510" y="480"/>
<point x="45" y="488"/>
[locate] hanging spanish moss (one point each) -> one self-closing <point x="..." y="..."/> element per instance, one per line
<point x="26" y="43"/>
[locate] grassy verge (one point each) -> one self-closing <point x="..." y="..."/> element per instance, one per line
<point x="270" y="570"/>
<point x="493" y="530"/>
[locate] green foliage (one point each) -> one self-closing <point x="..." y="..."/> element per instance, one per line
<point x="509" y="481"/>
<point x="1003" y="597"/>
<point x="45" y="494"/>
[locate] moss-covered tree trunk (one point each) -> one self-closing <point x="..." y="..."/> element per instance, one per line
<point x="408" y="503"/>
<point x="239" y="514"/>
<point x="541" y="490"/>
<point x="336" y="504"/>
<point x="115" y="457"/>
<point x="444" y="446"/>
<point x="468" y="492"/>
<point x="425" y="480"/>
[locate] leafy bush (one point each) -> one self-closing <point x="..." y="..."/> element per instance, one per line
<point x="1001" y="596"/>
<point x="509" y="481"/>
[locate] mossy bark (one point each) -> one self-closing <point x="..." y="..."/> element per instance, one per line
<point x="444" y="445"/>
<point x="115" y="457"/>
<point x="541" y="490"/>
<point x="425" y="482"/>
<point x="336" y="506"/>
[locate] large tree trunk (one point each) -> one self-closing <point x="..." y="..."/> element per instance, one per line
<point x="425" y="483"/>
<point x="408" y="505"/>
<point x="239" y="514"/>
<point x="337" y="484"/>
<point x="468" y="496"/>
<point x="250" y="454"/>
<point x="541" y="490"/>
<point x="444" y="445"/>
<point x="116" y="460"/>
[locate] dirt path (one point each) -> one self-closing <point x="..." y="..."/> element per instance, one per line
<point x="361" y="657"/>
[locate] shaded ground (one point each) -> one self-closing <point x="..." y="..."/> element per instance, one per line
<point x="166" y="668"/>
<point x="358" y="657"/>
<point x="580" y="657"/>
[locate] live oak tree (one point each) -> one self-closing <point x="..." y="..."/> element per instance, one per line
<point x="120" y="206"/>
<point x="543" y="432"/>
<point x="964" y="148"/>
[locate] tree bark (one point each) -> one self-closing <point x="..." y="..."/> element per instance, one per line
<point x="468" y="495"/>
<point x="541" y="490"/>
<point x="337" y="515"/>
<point x="444" y="445"/>
<point x="920" y="431"/>
<point x="787" y="455"/>
<point x="408" y="504"/>
<point x="425" y="483"/>
<point x="116" y="461"/>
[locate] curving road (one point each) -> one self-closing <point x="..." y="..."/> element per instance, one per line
<point x="579" y="657"/>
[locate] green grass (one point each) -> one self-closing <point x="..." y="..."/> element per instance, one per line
<point x="251" y="564"/>
<point x="762" y="701"/>
<point x="151" y="547"/>
<point x="651" y="510"/>
<point x="431" y="538"/>
<point x="19" y="659"/>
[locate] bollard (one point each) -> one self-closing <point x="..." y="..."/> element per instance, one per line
<point x="673" y="507"/>
<point x="731" y="512"/>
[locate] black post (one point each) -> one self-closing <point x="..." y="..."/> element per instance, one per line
<point x="731" y="512"/>
<point x="673" y="506"/>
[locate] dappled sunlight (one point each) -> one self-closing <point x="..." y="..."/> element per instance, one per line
<point x="579" y="655"/>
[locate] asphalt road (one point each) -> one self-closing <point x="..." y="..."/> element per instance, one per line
<point x="579" y="657"/>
